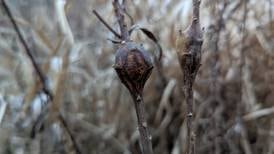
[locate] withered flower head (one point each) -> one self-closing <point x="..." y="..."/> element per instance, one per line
<point x="133" y="66"/>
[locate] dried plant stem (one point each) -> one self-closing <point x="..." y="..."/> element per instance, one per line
<point x="70" y="134"/>
<point x="40" y="74"/>
<point x="135" y="90"/>
<point x="196" y="9"/>
<point x="188" y="48"/>
<point x="145" y="137"/>
<point x="21" y="38"/>
<point x="105" y="23"/>
<point x="188" y="92"/>
<point x="118" y="9"/>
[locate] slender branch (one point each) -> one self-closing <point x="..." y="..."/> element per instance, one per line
<point x="189" y="56"/>
<point x="118" y="9"/>
<point x="72" y="138"/>
<point x="105" y="23"/>
<point x="189" y="79"/>
<point x="27" y="49"/>
<point x="196" y="10"/>
<point x="145" y="136"/>
<point x="40" y="75"/>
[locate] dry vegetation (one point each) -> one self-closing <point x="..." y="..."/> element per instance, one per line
<point x="233" y="90"/>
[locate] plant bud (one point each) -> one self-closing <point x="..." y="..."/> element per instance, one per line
<point x="133" y="66"/>
<point x="188" y="47"/>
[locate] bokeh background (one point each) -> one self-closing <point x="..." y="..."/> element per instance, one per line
<point x="233" y="92"/>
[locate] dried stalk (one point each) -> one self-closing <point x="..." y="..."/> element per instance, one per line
<point x="105" y="24"/>
<point x="28" y="52"/>
<point x="145" y="137"/>
<point x="32" y="91"/>
<point x="133" y="66"/>
<point x="118" y="9"/>
<point x="188" y="47"/>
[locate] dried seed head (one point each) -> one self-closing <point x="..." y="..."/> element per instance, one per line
<point x="133" y="66"/>
<point x="188" y="47"/>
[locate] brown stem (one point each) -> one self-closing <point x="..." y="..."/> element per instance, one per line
<point x="189" y="101"/>
<point x="196" y="10"/>
<point x="72" y="138"/>
<point x="190" y="69"/>
<point x="188" y="92"/>
<point x="189" y="55"/>
<point x="118" y="9"/>
<point x="105" y="23"/>
<point x="145" y="137"/>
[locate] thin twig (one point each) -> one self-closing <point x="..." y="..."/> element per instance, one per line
<point x="106" y="24"/>
<point x="27" y="49"/>
<point x="145" y="136"/>
<point x="196" y="10"/>
<point x="190" y="57"/>
<point x="72" y="138"/>
<point x="118" y="9"/>
<point x="38" y="71"/>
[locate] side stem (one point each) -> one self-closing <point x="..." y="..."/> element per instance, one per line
<point x="145" y="137"/>
<point x="105" y="23"/>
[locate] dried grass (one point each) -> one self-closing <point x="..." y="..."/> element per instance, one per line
<point x="99" y="109"/>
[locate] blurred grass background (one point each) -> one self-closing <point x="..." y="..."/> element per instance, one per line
<point x="233" y="93"/>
